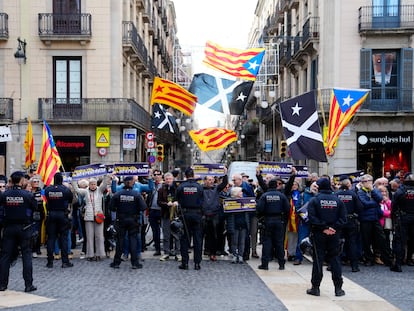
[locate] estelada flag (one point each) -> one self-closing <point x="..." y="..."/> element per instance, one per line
<point x="244" y="64"/>
<point x="212" y="138"/>
<point x="171" y="94"/>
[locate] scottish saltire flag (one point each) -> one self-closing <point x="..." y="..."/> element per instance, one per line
<point x="244" y="64"/>
<point x="222" y="95"/>
<point x="162" y="119"/>
<point x="171" y="94"/>
<point x="301" y="128"/>
<point x="49" y="162"/>
<point x="344" y="104"/>
<point x="212" y="138"/>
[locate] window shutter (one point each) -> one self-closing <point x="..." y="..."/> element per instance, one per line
<point x="365" y="73"/>
<point x="407" y="79"/>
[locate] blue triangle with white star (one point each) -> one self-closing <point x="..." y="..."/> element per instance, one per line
<point x="253" y="64"/>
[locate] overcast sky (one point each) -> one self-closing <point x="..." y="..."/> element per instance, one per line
<point x="225" y="22"/>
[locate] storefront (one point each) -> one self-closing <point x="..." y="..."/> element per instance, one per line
<point x="379" y="152"/>
<point x="73" y="150"/>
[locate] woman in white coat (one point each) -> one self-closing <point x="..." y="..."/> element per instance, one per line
<point x="93" y="196"/>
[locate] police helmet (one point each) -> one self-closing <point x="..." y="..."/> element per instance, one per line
<point x="176" y="227"/>
<point x="306" y="246"/>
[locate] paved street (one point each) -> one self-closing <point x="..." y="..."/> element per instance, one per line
<point x="217" y="286"/>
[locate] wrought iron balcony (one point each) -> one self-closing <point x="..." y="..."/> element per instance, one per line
<point x="133" y="44"/>
<point x="6" y="110"/>
<point x="99" y="110"/>
<point x="72" y="27"/>
<point x="4" y="26"/>
<point x="390" y="19"/>
<point x="310" y="32"/>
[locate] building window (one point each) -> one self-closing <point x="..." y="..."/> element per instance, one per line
<point x="388" y="73"/>
<point x="67" y="73"/>
<point x="386" y="13"/>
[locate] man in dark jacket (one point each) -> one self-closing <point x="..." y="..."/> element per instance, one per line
<point x="16" y="210"/>
<point x="372" y="233"/>
<point x="189" y="195"/>
<point x="211" y="213"/>
<point x="274" y="207"/>
<point x="327" y="215"/>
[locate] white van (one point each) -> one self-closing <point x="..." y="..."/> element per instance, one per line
<point x="238" y="167"/>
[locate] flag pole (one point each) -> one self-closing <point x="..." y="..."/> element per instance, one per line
<point x="323" y="118"/>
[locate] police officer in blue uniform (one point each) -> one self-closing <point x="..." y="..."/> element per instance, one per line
<point x="350" y="231"/>
<point x="16" y="210"/>
<point x="58" y="197"/>
<point x="189" y="195"/>
<point x="327" y="215"/>
<point x="274" y="207"/>
<point x="128" y="204"/>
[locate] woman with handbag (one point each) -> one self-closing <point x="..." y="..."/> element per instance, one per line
<point x="93" y="215"/>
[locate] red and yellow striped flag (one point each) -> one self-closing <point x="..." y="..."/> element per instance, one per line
<point x="244" y="64"/>
<point x="344" y="104"/>
<point x="49" y="162"/>
<point x="29" y="145"/>
<point x="212" y="138"/>
<point x="169" y="93"/>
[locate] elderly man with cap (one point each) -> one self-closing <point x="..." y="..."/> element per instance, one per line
<point x="58" y="197"/>
<point x="327" y="215"/>
<point x="16" y="209"/>
<point x="128" y="205"/>
<point x="189" y="195"/>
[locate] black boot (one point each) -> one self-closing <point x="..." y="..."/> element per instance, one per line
<point x="396" y="268"/>
<point x="314" y="291"/>
<point x="339" y="291"/>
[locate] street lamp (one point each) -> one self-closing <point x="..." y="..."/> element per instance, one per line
<point x="20" y="54"/>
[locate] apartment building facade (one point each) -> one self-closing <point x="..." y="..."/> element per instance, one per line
<point x="342" y="44"/>
<point x="88" y="71"/>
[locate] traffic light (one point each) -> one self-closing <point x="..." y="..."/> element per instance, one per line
<point x="160" y="152"/>
<point x="283" y="149"/>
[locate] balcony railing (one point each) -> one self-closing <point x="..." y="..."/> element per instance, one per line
<point x="4" y="26"/>
<point x="65" y="26"/>
<point x="102" y="110"/>
<point x="131" y="37"/>
<point x="310" y="30"/>
<point x="6" y="110"/>
<point x="386" y="18"/>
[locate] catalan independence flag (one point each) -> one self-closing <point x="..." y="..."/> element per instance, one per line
<point x="49" y="162"/>
<point x="212" y="138"/>
<point x="244" y="64"/>
<point x="29" y="145"/>
<point x="171" y="94"/>
<point x="344" y="104"/>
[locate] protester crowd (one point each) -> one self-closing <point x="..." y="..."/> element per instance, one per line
<point x="108" y="217"/>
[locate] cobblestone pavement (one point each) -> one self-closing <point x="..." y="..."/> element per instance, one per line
<point x="158" y="286"/>
<point x="162" y="286"/>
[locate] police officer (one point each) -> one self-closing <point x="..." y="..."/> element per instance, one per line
<point x="274" y="207"/>
<point x="58" y="197"/>
<point x="350" y="231"/>
<point x="128" y="204"/>
<point x="327" y="215"/>
<point x="189" y="195"/>
<point x="403" y="220"/>
<point x="16" y="210"/>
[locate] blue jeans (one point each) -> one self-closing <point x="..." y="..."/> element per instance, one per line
<point x="303" y="232"/>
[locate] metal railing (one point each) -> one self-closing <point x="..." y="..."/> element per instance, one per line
<point x="310" y="29"/>
<point x="6" y="109"/>
<point x="51" y="24"/>
<point x="130" y="36"/>
<point x="376" y="18"/>
<point x="104" y="110"/>
<point x="4" y="26"/>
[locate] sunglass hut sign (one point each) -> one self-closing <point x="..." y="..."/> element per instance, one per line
<point x="383" y="139"/>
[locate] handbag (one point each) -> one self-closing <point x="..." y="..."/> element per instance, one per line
<point x="99" y="218"/>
